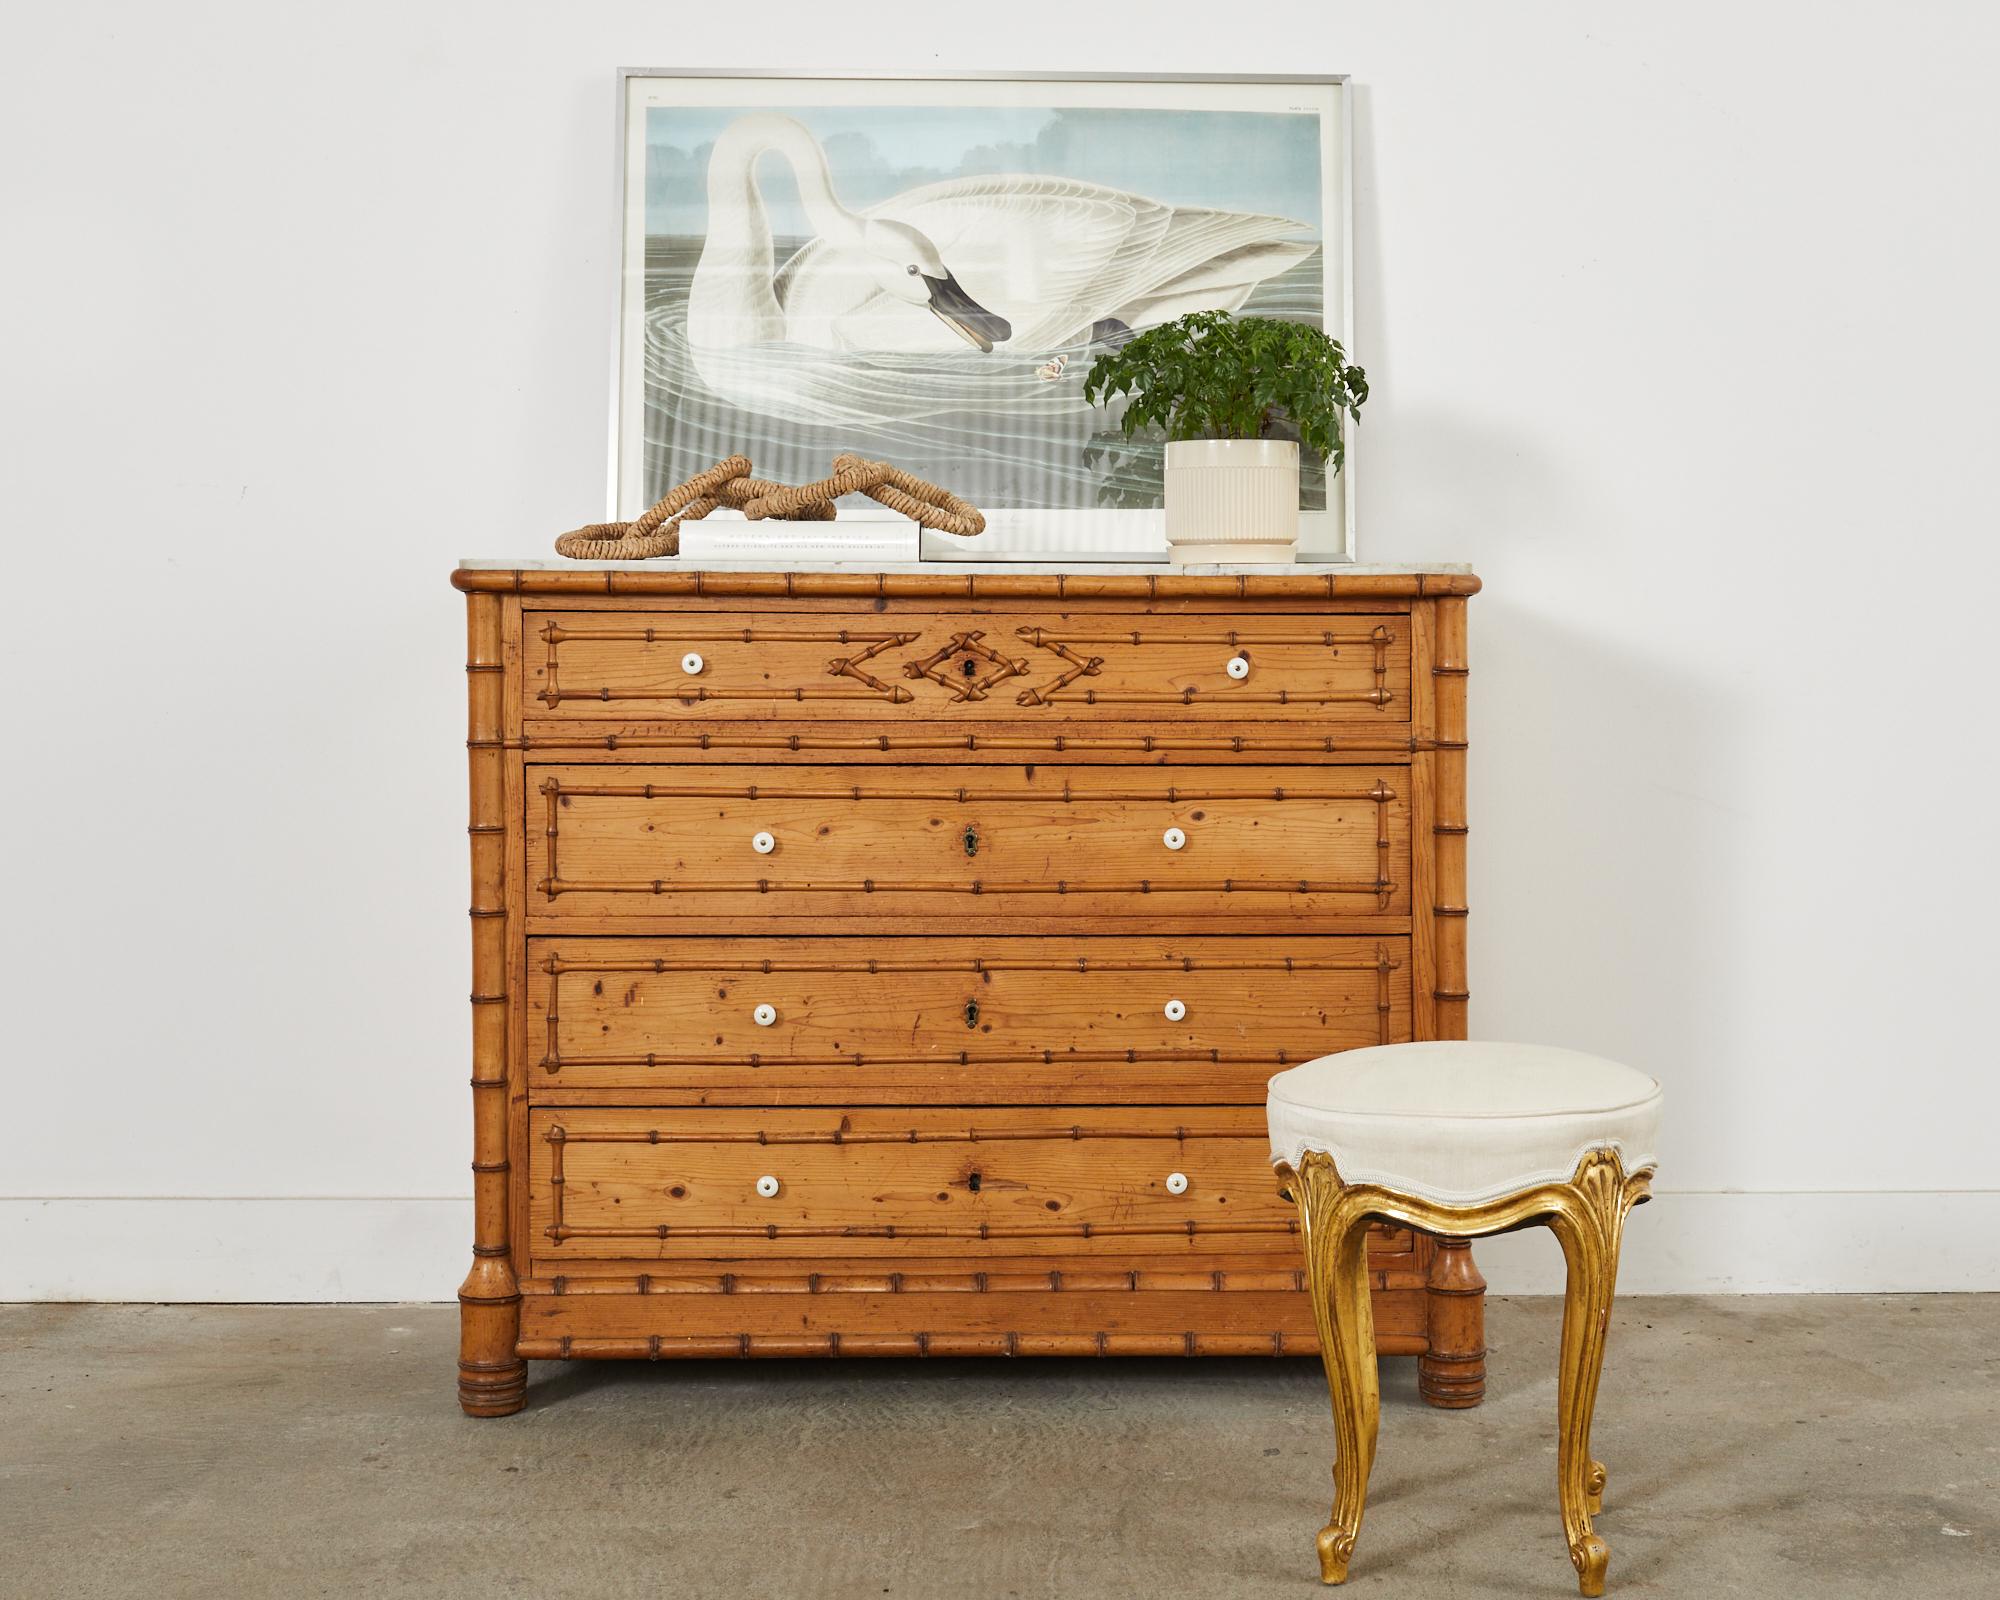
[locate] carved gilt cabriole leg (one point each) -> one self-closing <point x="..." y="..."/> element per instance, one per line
<point x="492" y="1378"/>
<point x="1588" y="1217"/>
<point x="1336" y="1245"/>
<point x="1590" y="1226"/>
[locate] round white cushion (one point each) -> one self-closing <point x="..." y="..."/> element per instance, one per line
<point x="1462" y="1123"/>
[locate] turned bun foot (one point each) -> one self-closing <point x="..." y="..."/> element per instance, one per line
<point x="1452" y="1383"/>
<point x="497" y="1389"/>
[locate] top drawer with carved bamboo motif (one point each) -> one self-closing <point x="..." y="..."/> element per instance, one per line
<point x="968" y="666"/>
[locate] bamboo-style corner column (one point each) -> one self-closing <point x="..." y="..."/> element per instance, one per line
<point x="492" y="1378"/>
<point x="1451" y="1373"/>
<point x="1449" y="672"/>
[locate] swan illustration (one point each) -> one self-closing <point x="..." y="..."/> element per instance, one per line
<point x="1041" y="264"/>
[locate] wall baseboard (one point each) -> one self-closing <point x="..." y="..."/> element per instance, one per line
<point x="418" y="1249"/>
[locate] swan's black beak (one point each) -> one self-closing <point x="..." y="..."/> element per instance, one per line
<point x="965" y="316"/>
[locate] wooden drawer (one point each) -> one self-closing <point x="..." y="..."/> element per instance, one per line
<point x="996" y="845"/>
<point x="951" y="1020"/>
<point x="636" y="1184"/>
<point x="968" y="666"/>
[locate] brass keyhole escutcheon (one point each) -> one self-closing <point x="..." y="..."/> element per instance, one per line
<point x="971" y="842"/>
<point x="972" y="1013"/>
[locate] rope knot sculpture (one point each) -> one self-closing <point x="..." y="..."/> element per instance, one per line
<point x="657" y="530"/>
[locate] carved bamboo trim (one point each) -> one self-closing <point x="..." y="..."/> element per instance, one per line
<point x="1448" y="831"/>
<point x="555" y="635"/>
<point x="491" y="1377"/>
<point x="1587" y="1214"/>
<point x="1385" y="964"/>
<point x="1090" y="666"/>
<point x="557" y="1138"/>
<point x="850" y="667"/>
<point x="999" y="667"/>
<point x="660" y="1347"/>
<point x="885" y="967"/>
<point x="695" y="695"/>
<point x="559" y="1135"/>
<point x="1056" y="743"/>
<point x="1172" y="794"/>
<point x="1065" y="1280"/>
<point x="1195" y="695"/>
<point x="996" y="585"/>
<point x="1166" y="1227"/>
<point x="553" y="884"/>
<point x="553" y="1060"/>
<point x="968" y="643"/>
<point x="1276" y="1059"/>
<point x="697" y="631"/>
<point x="1381" y="888"/>
<point x="1048" y="639"/>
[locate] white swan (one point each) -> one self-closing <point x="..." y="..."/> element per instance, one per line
<point x="1040" y="263"/>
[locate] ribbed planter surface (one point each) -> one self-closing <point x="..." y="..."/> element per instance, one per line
<point x="1232" y="500"/>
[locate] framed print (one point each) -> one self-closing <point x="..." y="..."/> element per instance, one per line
<point x="922" y="270"/>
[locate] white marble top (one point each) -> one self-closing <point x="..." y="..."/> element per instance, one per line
<point x="1228" y="569"/>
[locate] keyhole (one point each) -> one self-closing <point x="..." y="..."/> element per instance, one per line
<point x="971" y="842"/>
<point x="972" y="1013"/>
<point x="972" y="1182"/>
<point x="968" y="666"/>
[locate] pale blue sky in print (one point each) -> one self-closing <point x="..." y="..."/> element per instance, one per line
<point x="1236" y="160"/>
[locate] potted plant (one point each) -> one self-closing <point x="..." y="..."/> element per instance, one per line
<point x="1236" y="397"/>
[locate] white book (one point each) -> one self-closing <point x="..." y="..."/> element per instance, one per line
<point x="799" y="541"/>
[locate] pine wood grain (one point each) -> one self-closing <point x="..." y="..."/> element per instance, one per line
<point x="984" y="839"/>
<point x="950" y="667"/>
<point x="951" y="1020"/>
<point x="919" y="841"/>
<point x="858" y="1183"/>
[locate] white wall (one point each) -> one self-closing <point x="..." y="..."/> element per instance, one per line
<point x="1681" y="325"/>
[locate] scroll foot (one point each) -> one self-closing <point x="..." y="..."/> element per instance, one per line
<point x="1336" y="1548"/>
<point x="1591" y="1555"/>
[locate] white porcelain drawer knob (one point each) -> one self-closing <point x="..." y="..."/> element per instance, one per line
<point x="1176" y="1009"/>
<point x="1173" y="838"/>
<point x="763" y="843"/>
<point x="765" y="1015"/>
<point x="1177" y="1183"/>
<point x="767" y="1186"/>
<point x="691" y="663"/>
<point x="1239" y="667"/>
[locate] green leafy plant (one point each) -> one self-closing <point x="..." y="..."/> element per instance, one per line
<point x="1210" y="375"/>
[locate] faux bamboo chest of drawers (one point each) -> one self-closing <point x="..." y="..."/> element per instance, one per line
<point x="892" y="964"/>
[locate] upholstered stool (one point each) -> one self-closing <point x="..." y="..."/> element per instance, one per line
<point x="1462" y="1140"/>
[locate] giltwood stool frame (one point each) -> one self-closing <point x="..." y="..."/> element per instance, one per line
<point x="1587" y="1215"/>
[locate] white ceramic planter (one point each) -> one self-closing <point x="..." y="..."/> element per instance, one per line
<point x="1232" y="500"/>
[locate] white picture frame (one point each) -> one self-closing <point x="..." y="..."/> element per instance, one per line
<point x="829" y="352"/>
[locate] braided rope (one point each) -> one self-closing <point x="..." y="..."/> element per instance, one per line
<point x="651" y="533"/>
<point x="742" y="493"/>
<point x="657" y="530"/>
<point x="923" y="503"/>
<point x="851" y="475"/>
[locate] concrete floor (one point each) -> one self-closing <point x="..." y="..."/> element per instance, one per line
<point x="1821" y="1447"/>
